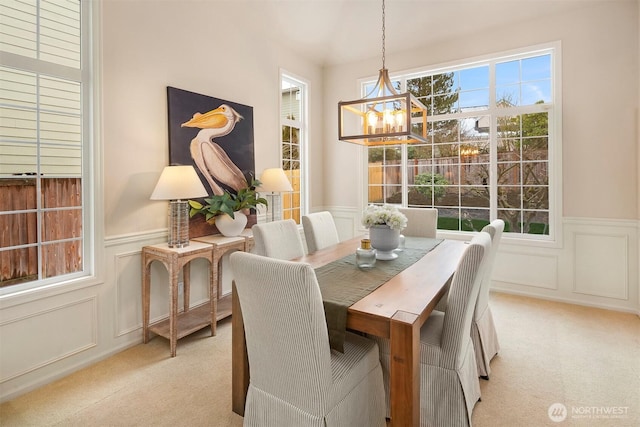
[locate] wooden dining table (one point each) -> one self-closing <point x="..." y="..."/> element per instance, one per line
<point x="395" y="310"/>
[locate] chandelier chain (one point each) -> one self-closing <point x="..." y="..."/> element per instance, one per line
<point x="383" y="35"/>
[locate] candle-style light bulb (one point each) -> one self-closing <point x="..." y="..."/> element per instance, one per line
<point x="372" y="118"/>
<point x="387" y="120"/>
<point x="399" y="120"/>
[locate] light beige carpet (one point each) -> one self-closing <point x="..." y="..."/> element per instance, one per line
<point x="552" y="353"/>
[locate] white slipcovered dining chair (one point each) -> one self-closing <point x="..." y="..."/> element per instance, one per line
<point x="421" y="222"/>
<point x="295" y="378"/>
<point x="483" y="329"/>
<point x="319" y="230"/>
<point x="449" y="384"/>
<point x="278" y="239"/>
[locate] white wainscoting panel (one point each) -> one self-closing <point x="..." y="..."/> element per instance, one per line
<point x="200" y="269"/>
<point x="36" y="339"/>
<point x="347" y="222"/>
<point x="226" y="278"/>
<point x="601" y="265"/>
<point x="55" y="331"/>
<point x="128" y="274"/>
<point x="520" y="268"/>
<point x="595" y="266"/>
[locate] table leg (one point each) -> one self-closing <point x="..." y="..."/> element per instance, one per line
<point x="213" y="293"/>
<point x="173" y="316"/>
<point x="405" y="370"/>
<point x="146" y="297"/>
<point x="240" y="360"/>
<point x="186" y="285"/>
<point x="213" y="297"/>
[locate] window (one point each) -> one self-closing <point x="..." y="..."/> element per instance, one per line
<point x="490" y="149"/>
<point x="44" y="92"/>
<point x="293" y="119"/>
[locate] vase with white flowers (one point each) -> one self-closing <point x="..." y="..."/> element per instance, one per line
<point x="384" y="223"/>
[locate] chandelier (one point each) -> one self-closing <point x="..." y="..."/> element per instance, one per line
<point x="383" y="116"/>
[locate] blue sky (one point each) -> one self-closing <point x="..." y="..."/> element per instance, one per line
<point x="523" y="82"/>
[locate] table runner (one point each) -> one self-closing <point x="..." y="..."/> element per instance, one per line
<point x="342" y="283"/>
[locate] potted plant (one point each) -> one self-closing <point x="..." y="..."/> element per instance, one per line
<point x="228" y="211"/>
<point x="384" y="223"/>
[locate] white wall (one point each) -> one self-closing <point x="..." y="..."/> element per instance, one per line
<point x="595" y="259"/>
<point x="204" y="47"/>
<point x="217" y="49"/>
<point x="638" y="127"/>
<point x="600" y="94"/>
<point x="212" y="48"/>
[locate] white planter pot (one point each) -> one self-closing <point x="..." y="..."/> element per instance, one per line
<point x="231" y="227"/>
<point x="384" y="240"/>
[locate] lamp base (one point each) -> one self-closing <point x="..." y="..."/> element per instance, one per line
<point x="178" y="224"/>
<point x="274" y="209"/>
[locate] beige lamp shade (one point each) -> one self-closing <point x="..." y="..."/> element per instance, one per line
<point x="274" y="180"/>
<point x="178" y="182"/>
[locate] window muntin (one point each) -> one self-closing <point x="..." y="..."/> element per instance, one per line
<point x="293" y="119"/>
<point x="43" y="140"/>
<point x="487" y="156"/>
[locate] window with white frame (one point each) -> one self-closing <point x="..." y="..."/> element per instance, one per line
<point x="293" y="120"/>
<point x="44" y="167"/>
<point x="490" y="146"/>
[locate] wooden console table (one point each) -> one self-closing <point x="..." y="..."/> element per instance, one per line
<point x="190" y="320"/>
<point x="178" y="325"/>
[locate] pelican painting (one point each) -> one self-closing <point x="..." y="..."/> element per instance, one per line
<point x="214" y="135"/>
<point x="212" y="161"/>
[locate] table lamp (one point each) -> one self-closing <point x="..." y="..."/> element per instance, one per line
<point x="274" y="181"/>
<point x="176" y="184"/>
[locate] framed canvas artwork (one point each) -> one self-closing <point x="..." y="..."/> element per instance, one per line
<point x="216" y="137"/>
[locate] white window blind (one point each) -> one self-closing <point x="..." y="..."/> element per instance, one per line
<point x="45" y="30"/>
<point x="40" y="124"/>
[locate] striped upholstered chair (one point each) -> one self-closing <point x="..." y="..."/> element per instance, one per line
<point x="295" y="378"/>
<point x="421" y="222"/>
<point x="319" y="230"/>
<point x="278" y="239"/>
<point x="449" y="385"/>
<point x="483" y="330"/>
